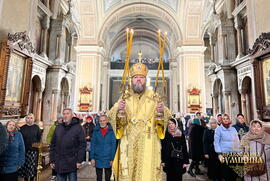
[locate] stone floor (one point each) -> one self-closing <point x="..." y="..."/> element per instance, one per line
<point x="87" y="173"/>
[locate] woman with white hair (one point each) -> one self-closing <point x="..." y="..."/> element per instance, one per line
<point x="214" y="165"/>
<point x="31" y="134"/>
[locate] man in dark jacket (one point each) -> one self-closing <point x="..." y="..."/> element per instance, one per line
<point x="103" y="146"/>
<point x="214" y="165"/>
<point x="241" y="126"/>
<point x="196" y="146"/>
<point x="3" y="142"/>
<point x="67" y="147"/>
<point x="3" y="138"/>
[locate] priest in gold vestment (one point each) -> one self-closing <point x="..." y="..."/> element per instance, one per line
<point x="138" y="156"/>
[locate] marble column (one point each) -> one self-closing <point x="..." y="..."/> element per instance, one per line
<point x="66" y="100"/>
<point x="212" y="46"/>
<point x="105" y="86"/>
<point x="67" y="53"/>
<point x="238" y="27"/>
<point x="58" y="46"/>
<point x="35" y="102"/>
<point x="229" y="8"/>
<point x="39" y="105"/>
<point x="243" y="103"/>
<point x="55" y="99"/>
<point x="248" y="118"/>
<point x="227" y="101"/>
<point x="224" y="45"/>
<point x="45" y="26"/>
<point x="215" y="104"/>
<point x="47" y="4"/>
<point x="236" y="3"/>
<point x="175" y="98"/>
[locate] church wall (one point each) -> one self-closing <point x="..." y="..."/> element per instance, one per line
<point x="257" y="13"/>
<point x="262" y="14"/>
<point x="36" y="17"/>
<point x="14" y="17"/>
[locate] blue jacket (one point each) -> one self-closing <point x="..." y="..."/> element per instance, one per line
<point x="103" y="147"/>
<point x="14" y="155"/>
<point x="226" y="140"/>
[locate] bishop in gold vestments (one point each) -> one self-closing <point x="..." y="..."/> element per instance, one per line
<point x="138" y="157"/>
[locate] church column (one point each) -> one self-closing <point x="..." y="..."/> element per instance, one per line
<point x="45" y="27"/>
<point x="238" y="27"/>
<point x="58" y="46"/>
<point x="35" y="102"/>
<point x="47" y="3"/>
<point x="70" y="46"/>
<point x="39" y="105"/>
<point x="105" y="87"/>
<point x="55" y="98"/>
<point x="236" y="3"/>
<point x="224" y="45"/>
<point x="227" y="101"/>
<point x="74" y="40"/>
<point x="215" y="103"/>
<point x="248" y="107"/>
<point x="66" y="99"/>
<point x="243" y="103"/>
<point x="175" y="98"/>
<point x="212" y="46"/>
<point x="229" y="8"/>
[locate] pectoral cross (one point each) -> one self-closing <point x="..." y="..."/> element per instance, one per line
<point x="140" y="56"/>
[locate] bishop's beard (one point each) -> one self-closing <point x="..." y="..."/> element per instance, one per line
<point x="140" y="88"/>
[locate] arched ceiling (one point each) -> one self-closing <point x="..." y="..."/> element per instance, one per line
<point x="182" y="19"/>
<point x="145" y="21"/>
<point x="172" y="4"/>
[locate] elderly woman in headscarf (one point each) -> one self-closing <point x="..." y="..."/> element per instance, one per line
<point x="214" y="165"/>
<point x="257" y="142"/>
<point x="174" y="153"/>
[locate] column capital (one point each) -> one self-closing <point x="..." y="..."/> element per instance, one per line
<point x="214" y="95"/>
<point x="45" y="23"/>
<point x="106" y="64"/>
<point x="212" y="39"/>
<point x="243" y="91"/>
<point x="173" y="65"/>
<point x="187" y="49"/>
<point x="55" y="91"/>
<point x="238" y="24"/>
<point x="227" y="93"/>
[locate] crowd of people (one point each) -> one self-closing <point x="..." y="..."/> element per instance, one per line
<point x="190" y="143"/>
<point x="210" y="142"/>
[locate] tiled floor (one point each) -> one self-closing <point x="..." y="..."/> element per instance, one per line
<point x="45" y="176"/>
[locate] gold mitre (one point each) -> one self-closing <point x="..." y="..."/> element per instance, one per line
<point x="138" y="69"/>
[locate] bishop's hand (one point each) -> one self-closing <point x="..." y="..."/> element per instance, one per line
<point x="160" y="107"/>
<point x="121" y="105"/>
